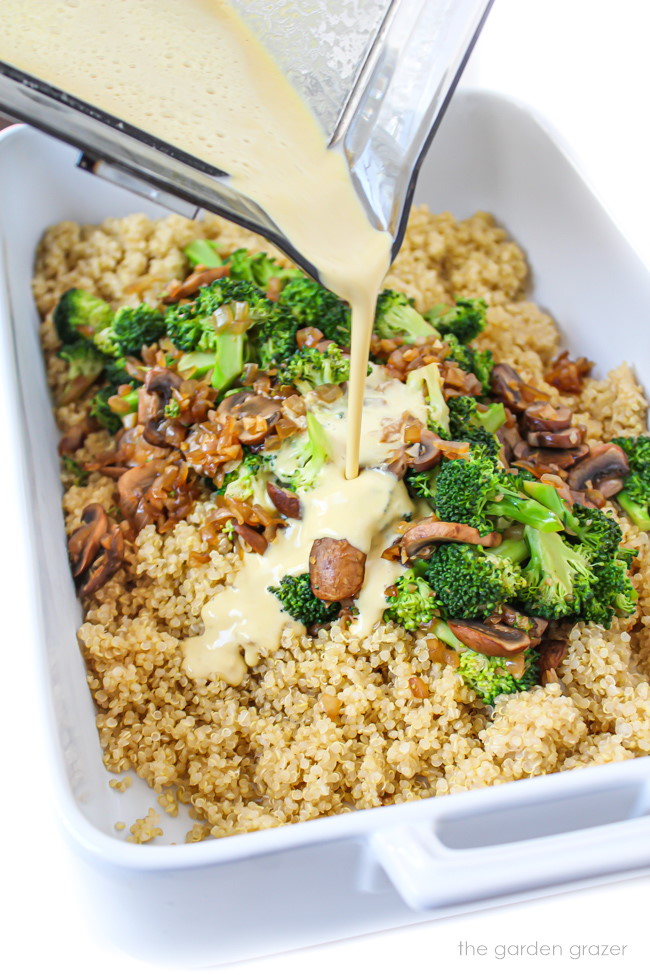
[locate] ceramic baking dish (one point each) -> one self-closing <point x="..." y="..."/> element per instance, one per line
<point x="232" y="898"/>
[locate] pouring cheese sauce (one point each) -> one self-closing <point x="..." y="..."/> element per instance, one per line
<point x="190" y="73"/>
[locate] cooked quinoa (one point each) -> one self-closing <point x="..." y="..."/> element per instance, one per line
<point x="330" y="723"/>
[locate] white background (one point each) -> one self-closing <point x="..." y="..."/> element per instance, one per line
<point x="584" y="64"/>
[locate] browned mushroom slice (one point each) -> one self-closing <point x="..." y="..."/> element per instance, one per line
<point x="610" y="486"/>
<point x="429" y="452"/>
<point x="247" y="403"/>
<point x="193" y="282"/>
<point x="284" y="500"/>
<point x="604" y="462"/>
<point x="557" y="439"/>
<point x="255" y="433"/>
<point x="492" y="639"/>
<point x="548" y="461"/>
<point x="534" y="626"/>
<point x="253" y="538"/>
<point x="133" y="485"/>
<point x="336" y="569"/>
<point x="84" y="544"/>
<point x="75" y="436"/>
<point x="543" y="416"/>
<point x="510" y="388"/>
<point x="105" y="567"/>
<point x="163" y="431"/>
<point x="511" y="439"/>
<point x="163" y="381"/>
<point x="552" y="653"/>
<point x="431" y="532"/>
<point x="398" y="463"/>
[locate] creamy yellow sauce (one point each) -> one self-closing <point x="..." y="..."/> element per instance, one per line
<point x="365" y="511"/>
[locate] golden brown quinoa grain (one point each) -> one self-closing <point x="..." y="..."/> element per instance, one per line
<point x="272" y="751"/>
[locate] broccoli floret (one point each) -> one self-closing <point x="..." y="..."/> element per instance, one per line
<point x="422" y="484"/>
<point x="85" y="365"/>
<point x="130" y="329"/>
<point x="612" y="593"/>
<point x="248" y="481"/>
<point x="477" y="426"/>
<point x="102" y="412"/>
<point x="466" y="414"/>
<point x="79" y="314"/>
<point x="109" y="415"/>
<point x="275" y="338"/>
<point x="634" y="499"/>
<point x="309" y="368"/>
<point x="471" y="583"/>
<point x="466" y="320"/>
<point x="412" y="603"/>
<point x="595" y="529"/>
<point x="427" y="381"/>
<point x="472" y="360"/>
<point x="490" y="676"/>
<point x="313" y="305"/>
<point x="74" y="467"/>
<point x="298" y="600"/>
<point x="230" y="319"/>
<point x="203" y="252"/>
<point x="395" y="317"/>
<point x="300" y="461"/>
<point x="559" y="576"/>
<point x="259" y="269"/>
<point x="474" y="490"/>
<point x="224" y="305"/>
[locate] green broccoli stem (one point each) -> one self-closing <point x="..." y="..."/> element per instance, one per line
<point x="527" y="512"/>
<point x="443" y="632"/>
<point x="228" y="360"/>
<point x="203" y="252"/>
<point x="195" y="365"/>
<point x="512" y="549"/>
<point x="638" y="513"/>
<point x="493" y="418"/>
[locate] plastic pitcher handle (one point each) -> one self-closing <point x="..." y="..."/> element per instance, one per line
<point x="431" y="874"/>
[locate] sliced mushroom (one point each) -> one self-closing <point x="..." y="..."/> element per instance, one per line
<point x="603" y="463"/>
<point x="192" y="283"/>
<point x="549" y="461"/>
<point x="543" y="416"/>
<point x="510" y="439"/>
<point x="105" y="567"/>
<point x="133" y="485"/>
<point x="284" y="500"/>
<point x="429" y="452"/>
<point x="610" y="486"/>
<point x="534" y="626"/>
<point x="75" y="436"/>
<point x="557" y="439"/>
<point x="247" y="403"/>
<point x="431" y="532"/>
<point x="336" y="569"/>
<point x="552" y="653"/>
<point x="256" y="437"/>
<point x="492" y="639"/>
<point x="510" y="388"/>
<point x="162" y="381"/>
<point x="84" y="544"/>
<point x="253" y="538"/>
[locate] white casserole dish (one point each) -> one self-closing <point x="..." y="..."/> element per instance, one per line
<point x="234" y="898"/>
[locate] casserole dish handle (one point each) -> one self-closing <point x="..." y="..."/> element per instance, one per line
<point x="442" y="863"/>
